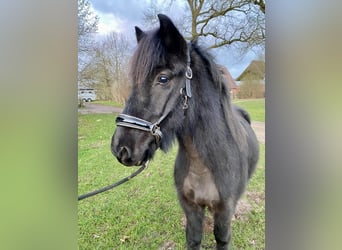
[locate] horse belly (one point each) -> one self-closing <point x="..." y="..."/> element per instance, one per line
<point x="200" y="188"/>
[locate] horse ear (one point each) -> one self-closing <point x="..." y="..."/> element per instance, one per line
<point x="170" y="36"/>
<point x="139" y="33"/>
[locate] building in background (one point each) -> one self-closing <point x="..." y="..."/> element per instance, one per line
<point x="251" y="81"/>
<point x="232" y="86"/>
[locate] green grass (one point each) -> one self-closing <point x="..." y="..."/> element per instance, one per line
<point x="109" y="103"/>
<point x="144" y="213"/>
<point x="255" y="107"/>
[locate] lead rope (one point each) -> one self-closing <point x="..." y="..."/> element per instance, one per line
<point x="83" y="196"/>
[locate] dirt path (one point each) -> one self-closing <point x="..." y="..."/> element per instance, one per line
<point x="90" y="108"/>
<point x="259" y="127"/>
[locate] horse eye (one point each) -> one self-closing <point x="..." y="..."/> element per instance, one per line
<point x="163" y="79"/>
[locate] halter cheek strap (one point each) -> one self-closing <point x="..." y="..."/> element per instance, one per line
<point x="188" y="75"/>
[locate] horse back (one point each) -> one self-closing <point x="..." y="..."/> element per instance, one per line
<point x="251" y="139"/>
<point x="242" y="113"/>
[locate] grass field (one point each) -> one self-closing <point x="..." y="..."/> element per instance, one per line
<point x="109" y="103"/>
<point x="144" y="213"/>
<point x="255" y="107"/>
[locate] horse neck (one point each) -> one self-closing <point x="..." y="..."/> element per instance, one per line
<point x="209" y="120"/>
<point x="204" y="120"/>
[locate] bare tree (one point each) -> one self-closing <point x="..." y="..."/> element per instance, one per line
<point x="220" y="22"/>
<point x="101" y="65"/>
<point x="117" y="49"/>
<point x="150" y="13"/>
<point x="87" y="27"/>
<point x="227" y="22"/>
<point x="261" y="4"/>
<point x="251" y="89"/>
<point x="109" y="68"/>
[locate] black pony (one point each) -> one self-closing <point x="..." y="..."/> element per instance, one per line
<point x="178" y="92"/>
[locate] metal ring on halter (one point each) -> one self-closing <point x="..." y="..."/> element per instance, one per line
<point x="188" y="72"/>
<point x="184" y="94"/>
<point x="185" y="104"/>
<point x="156" y="132"/>
<point x="181" y="91"/>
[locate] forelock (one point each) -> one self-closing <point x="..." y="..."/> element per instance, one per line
<point x="146" y="57"/>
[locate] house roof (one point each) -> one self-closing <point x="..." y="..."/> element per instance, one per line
<point x="228" y="77"/>
<point x="254" y="71"/>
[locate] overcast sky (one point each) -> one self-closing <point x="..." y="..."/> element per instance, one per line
<point x="122" y="15"/>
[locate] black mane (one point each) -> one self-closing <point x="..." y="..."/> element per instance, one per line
<point x="212" y="93"/>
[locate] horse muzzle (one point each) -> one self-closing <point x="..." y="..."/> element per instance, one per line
<point x="132" y="147"/>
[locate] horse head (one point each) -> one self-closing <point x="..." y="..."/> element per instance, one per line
<point x="159" y="73"/>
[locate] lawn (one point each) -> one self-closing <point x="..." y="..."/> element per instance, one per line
<point x="144" y="213"/>
<point x="109" y="103"/>
<point x="255" y="107"/>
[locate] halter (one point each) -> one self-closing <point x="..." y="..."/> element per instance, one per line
<point x="154" y="128"/>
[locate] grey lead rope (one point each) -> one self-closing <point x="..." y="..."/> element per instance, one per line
<point x="84" y="196"/>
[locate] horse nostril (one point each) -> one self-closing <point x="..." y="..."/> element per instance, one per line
<point x="124" y="154"/>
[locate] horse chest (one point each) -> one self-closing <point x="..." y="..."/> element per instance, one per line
<point x="201" y="189"/>
<point x="199" y="186"/>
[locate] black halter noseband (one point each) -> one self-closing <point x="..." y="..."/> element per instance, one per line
<point x="154" y="128"/>
<point x="137" y="123"/>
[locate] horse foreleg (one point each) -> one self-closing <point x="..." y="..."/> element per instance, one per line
<point x="222" y="228"/>
<point x="194" y="221"/>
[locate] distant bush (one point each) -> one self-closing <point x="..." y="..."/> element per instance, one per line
<point x="251" y="89"/>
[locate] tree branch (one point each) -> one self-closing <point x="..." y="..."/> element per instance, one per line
<point x="261" y="4"/>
